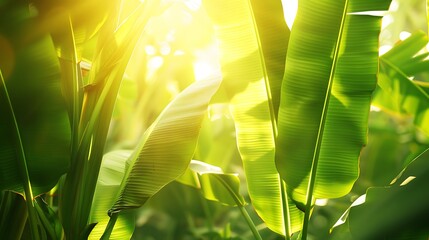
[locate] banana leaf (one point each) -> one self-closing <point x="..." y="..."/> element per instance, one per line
<point x="248" y="33"/>
<point x="34" y="126"/>
<point x="396" y="93"/>
<point x="109" y="181"/>
<point x="401" y="208"/>
<point x="167" y="147"/>
<point x="329" y="78"/>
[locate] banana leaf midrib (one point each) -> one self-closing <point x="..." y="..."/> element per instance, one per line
<point x="282" y="185"/>
<point x="313" y="171"/>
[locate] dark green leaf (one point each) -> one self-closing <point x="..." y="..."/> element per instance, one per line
<point x="32" y="78"/>
<point x="397" y="211"/>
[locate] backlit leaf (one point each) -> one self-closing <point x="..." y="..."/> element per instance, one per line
<point x="167" y="146"/>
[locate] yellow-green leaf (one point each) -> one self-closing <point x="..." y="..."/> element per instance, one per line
<point x="167" y="147"/>
<point x="396" y="93"/>
<point x="214" y="183"/>
<point x="252" y="72"/>
<point x="111" y="174"/>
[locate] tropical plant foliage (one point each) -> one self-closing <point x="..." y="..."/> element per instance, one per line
<point x="213" y="119"/>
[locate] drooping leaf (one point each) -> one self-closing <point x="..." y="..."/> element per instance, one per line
<point x="215" y="185"/>
<point x="167" y="147"/>
<point x="252" y="72"/>
<point x="401" y="208"/>
<point x="329" y="77"/>
<point x="31" y="75"/>
<point x="111" y="174"/>
<point x="396" y="93"/>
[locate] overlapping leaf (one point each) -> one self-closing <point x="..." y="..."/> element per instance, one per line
<point x="396" y="92"/>
<point x="215" y="185"/>
<point x="402" y="209"/>
<point x="167" y="146"/>
<point x="31" y="75"/>
<point x="111" y="174"/>
<point x="329" y="77"/>
<point x="248" y="32"/>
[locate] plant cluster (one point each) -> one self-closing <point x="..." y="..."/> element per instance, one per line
<point x="139" y="119"/>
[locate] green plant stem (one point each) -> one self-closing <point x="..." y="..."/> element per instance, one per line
<point x="209" y="220"/>
<point x="316" y="154"/>
<point x="285" y="207"/>
<point x="250" y="222"/>
<point x="72" y="81"/>
<point x="45" y="221"/>
<point x="22" y="164"/>
<point x="98" y="108"/>
<point x="240" y="206"/>
<point x="110" y="226"/>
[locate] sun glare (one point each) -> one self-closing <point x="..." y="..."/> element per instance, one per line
<point x="193" y="5"/>
<point x="404" y="35"/>
<point x="290" y="8"/>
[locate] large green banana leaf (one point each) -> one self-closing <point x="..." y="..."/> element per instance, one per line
<point x="396" y="93"/>
<point x="111" y="174"/>
<point x="329" y="78"/>
<point x="252" y="72"/>
<point x="167" y="147"/>
<point x="34" y="127"/>
<point x="402" y="207"/>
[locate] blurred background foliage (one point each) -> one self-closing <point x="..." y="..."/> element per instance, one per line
<point x="178" y="48"/>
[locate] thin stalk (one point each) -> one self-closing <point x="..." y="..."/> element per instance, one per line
<point x="99" y="112"/>
<point x="249" y="222"/>
<point x="209" y="217"/>
<point x="227" y="231"/>
<point x="23" y="169"/>
<point x="110" y="226"/>
<point x="45" y="221"/>
<point x="285" y="208"/>
<point x="427" y="14"/>
<point x="76" y="86"/>
<point x="240" y="206"/>
<point x="72" y="80"/>
<point x="316" y="154"/>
